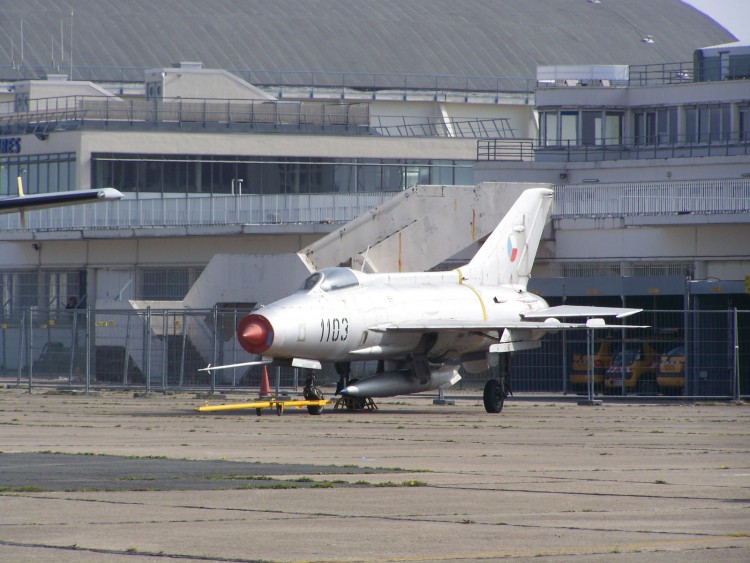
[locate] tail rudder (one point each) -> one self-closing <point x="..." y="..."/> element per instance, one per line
<point x="508" y="254"/>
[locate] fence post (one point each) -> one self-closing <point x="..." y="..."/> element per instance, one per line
<point x="21" y="349"/>
<point x="89" y="320"/>
<point x="165" y="349"/>
<point x="126" y="360"/>
<point x="736" y="349"/>
<point x="148" y="349"/>
<point x="30" y="348"/>
<point x="215" y="352"/>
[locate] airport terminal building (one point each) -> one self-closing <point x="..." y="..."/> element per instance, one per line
<point x="259" y="133"/>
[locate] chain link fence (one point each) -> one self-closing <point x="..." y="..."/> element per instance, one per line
<point x="698" y="354"/>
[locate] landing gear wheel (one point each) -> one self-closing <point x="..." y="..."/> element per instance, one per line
<point x="494" y="398"/>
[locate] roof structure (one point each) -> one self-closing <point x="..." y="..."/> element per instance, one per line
<point x="462" y="38"/>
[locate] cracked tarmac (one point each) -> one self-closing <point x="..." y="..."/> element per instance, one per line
<point x="117" y="478"/>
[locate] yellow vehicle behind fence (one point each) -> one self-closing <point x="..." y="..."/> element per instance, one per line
<point x="671" y="377"/>
<point x="601" y="362"/>
<point x="634" y="369"/>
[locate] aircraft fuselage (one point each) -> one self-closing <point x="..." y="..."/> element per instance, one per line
<point x="349" y="323"/>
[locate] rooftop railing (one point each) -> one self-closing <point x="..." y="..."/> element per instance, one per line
<point x="571" y="201"/>
<point x="682" y="146"/>
<point x="281" y="82"/>
<point x="196" y="211"/>
<point x="652" y="198"/>
<point x="46" y="115"/>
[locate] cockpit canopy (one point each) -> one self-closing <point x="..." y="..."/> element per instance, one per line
<point x="330" y="279"/>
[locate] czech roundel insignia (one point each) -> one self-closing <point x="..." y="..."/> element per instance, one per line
<point x="512" y="248"/>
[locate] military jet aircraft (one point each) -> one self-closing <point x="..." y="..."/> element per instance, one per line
<point x="421" y="327"/>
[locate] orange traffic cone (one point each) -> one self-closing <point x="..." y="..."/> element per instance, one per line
<point x="265" y="388"/>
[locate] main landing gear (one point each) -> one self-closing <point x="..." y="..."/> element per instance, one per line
<point x="497" y="390"/>
<point x="312" y="393"/>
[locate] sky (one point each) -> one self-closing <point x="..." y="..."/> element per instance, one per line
<point x="734" y="15"/>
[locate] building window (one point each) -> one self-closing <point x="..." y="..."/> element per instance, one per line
<point x="42" y="289"/>
<point x="166" y="284"/>
<point x="219" y="175"/>
<point x="584" y="128"/>
<point x="744" y="123"/>
<point x="707" y="124"/>
<point x="655" y="126"/>
<point x="39" y="174"/>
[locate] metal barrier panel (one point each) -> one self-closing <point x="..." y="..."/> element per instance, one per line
<point x="691" y="354"/>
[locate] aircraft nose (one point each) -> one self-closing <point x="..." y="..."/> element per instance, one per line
<point x="255" y="334"/>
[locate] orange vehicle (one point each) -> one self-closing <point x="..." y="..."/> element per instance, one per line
<point x="601" y="362"/>
<point x="671" y="377"/>
<point x="634" y="369"/>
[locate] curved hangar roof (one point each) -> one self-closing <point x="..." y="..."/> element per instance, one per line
<point x="490" y="38"/>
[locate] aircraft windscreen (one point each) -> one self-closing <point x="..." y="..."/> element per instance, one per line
<point x="311" y="281"/>
<point x="337" y="278"/>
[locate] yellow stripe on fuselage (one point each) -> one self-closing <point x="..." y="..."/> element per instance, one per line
<point x="479" y="297"/>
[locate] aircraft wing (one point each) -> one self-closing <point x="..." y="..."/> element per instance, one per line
<point x="563" y="311"/>
<point x="474" y="326"/>
<point x="57" y="199"/>
<point x="294" y="362"/>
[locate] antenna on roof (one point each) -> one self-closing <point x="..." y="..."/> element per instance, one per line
<point x="71" y="44"/>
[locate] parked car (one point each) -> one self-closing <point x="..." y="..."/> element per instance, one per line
<point x="671" y="377"/>
<point x="634" y="369"/>
<point x="601" y="361"/>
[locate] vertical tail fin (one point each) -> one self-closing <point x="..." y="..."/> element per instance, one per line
<point x="508" y="254"/>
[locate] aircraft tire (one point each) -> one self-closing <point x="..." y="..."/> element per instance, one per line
<point x="493" y="397"/>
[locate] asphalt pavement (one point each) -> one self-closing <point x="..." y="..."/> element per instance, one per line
<point x="112" y="477"/>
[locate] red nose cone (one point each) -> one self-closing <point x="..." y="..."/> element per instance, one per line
<point x="255" y="334"/>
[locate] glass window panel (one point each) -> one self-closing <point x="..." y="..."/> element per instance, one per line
<point x="441" y="172"/>
<point x="672" y="125"/>
<point x="30" y="174"/>
<point x="272" y="178"/>
<point x="715" y="124"/>
<point x="639" y="129"/>
<point x="550" y="136"/>
<point x="369" y="178"/>
<point x="4" y="182"/>
<point x="43" y="172"/>
<point x="53" y="181"/>
<point x="703" y="125"/>
<point x="152" y="182"/>
<point x="72" y="176"/>
<point x="590" y="124"/>
<point x="726" y="128"/>
<point x="691" y="125"/>
<point x="569" y="127"/>
<point x="344" y="177"/>
<point x="745" y="124"/>
<point x="392" y="173"/>
<point x="613" y="128"/>
<point x="13" y="172"/>
<point x="464" y="173"/>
